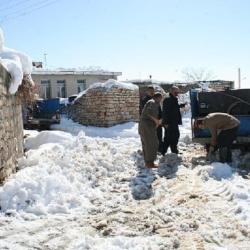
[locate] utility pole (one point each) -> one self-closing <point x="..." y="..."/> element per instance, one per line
<point x="239" y="78"/>
<point x="45" y="60"/>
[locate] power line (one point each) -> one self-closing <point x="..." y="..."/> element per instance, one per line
<point x="27" y="10"/>
<point x="13" y="5"/>
<point x="24" y="7"/>
<point x="7" y="2"/>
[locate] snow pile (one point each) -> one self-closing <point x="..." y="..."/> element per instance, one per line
<point x="185" y="128"/>
<point x="64" y="101"/>
<point x="89" y="189"/>
<point x="141" y="185"/>
<point x="62" y="173"/>
<point x="216" y="170"/>
<point x="111" y="83"/>
<point x="16" y="63"/>
<point x="116" y="243"/>
<point x="48" y="137"/>
<point x="222" y="181"/>
<point x="169" y="165"/>
<point x="220" y="171"/>
<point x="241" y="191"/>
<point x="125" y="130"/>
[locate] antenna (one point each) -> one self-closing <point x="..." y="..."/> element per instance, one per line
<point x="239" y="77"/>
<point x="45" y="60"/>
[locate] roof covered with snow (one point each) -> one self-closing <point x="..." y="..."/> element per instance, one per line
<point x="16" y="63"/>
<point x="108" y="85"/>
<point x="74" y="72"/>
<point x="113" y="84"/>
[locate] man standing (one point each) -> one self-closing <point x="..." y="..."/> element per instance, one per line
<point x="149" y="95"/>
<point x="171" y="119"/>
<point x="223" y="128"/>
<point x="147" y="129"/>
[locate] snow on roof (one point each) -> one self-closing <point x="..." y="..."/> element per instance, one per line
<point x="148" y="81"/>
<point x="16" y="63"/>
<point x="111" y="83"/>
<point x="37" y="71"/>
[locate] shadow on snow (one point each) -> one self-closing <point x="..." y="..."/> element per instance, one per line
<point x="141" y="184"/>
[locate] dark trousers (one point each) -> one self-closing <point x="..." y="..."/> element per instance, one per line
<point x="160" y="138"/>
<point x="171" y="138"/>
<point x="224" y="141"/>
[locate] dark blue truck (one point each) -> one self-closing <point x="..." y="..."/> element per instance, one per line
<point x="42" y="114"/>
<point x="235" y="102"/>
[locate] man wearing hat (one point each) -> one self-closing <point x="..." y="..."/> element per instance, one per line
<point x="149" y="95"/>
<point x="171" y="119"/>
<point x="148" y="129"/>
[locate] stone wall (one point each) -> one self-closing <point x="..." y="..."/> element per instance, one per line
<point x="11" y="130"/>
<point x="105" y="107"/>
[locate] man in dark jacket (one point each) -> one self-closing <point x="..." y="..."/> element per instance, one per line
<point x="149" y="95"/>
<point x="171" y="119"/>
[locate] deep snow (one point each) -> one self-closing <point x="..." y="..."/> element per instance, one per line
<point x="84" y="187"/>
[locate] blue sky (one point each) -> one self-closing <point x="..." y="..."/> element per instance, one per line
<point x="137" y="37"/>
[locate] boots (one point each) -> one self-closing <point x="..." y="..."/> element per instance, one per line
<point x="151" y="165"/>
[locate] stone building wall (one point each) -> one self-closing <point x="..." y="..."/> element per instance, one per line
<point x="11" y="130"/>
<point x="105" y="107"/>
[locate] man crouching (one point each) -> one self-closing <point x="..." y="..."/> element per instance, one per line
<point x="148" y="130"/>
<point x="223" y="128"/>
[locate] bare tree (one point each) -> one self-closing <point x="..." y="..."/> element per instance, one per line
<point x="200" y="74"/>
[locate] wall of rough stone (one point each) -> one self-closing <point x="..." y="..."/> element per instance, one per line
<point x="104" y="107"/>
<point x="11" y="128"/>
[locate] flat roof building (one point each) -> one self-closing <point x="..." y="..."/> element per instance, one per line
<point x="64" y="83"/>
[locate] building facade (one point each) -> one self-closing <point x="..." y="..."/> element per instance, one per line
<point x="64" y="83"/>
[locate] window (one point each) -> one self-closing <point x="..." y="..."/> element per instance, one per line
<point x="81" y="85"/>
<point x="61" y="88"/>
<point x="45" y="89"/>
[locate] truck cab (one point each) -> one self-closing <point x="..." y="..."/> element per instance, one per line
<point x="42" y="114"/>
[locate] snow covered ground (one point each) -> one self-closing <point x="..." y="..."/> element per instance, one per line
<point x="86" y="188"/>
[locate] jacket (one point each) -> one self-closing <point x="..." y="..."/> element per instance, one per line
<point x="171" y="114"/>
<point x="151" y="108"/>
<point x="143" y="103"/>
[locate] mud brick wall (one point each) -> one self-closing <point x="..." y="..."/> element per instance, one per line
<point x="11" y="128"/>
<point x="103" y="107"/>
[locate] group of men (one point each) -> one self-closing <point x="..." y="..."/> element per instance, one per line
<point x="153" y="119"/>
